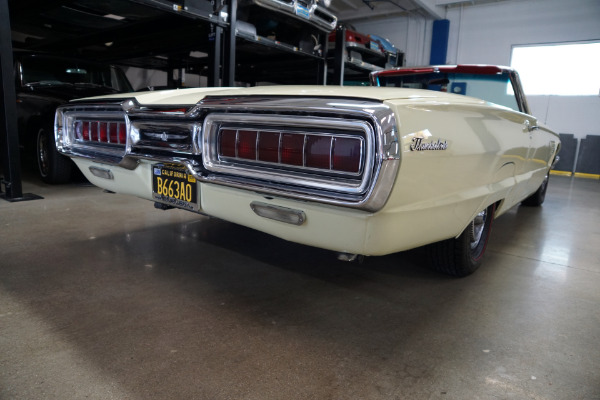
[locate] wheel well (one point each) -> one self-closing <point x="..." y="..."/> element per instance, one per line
<point x="499" y="209"/>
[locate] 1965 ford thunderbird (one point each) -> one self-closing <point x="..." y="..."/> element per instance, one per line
<point x="356" y="170"/>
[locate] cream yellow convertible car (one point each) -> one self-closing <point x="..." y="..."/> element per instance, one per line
<point x="424" y="156"/>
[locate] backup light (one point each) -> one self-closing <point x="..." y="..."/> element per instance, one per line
<point x="278" y="213"/>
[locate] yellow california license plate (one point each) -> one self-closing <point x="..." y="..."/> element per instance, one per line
<point x="173" y="185"/>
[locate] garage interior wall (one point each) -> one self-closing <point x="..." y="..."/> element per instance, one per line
<point x="485" y="33"/>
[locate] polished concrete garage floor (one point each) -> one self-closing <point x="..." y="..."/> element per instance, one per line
<point x="104" y="297"/>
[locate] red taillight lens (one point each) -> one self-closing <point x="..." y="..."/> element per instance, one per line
<point x="292" y="148"/>
<point x="346" y="154"/>
<point x="103" y="132"/>
<point x="122" y="133"/>
<point x="94" y="131"/>
<point x="268" y="146"/>
<point x="227" y="143"/>
<point x="86" y="131"/>
<point x="113" y="132"/>
<point x="247" y="144"/>
<point x="318" y="151"/>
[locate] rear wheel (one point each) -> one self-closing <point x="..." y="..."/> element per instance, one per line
<point x="462" y="256"/>
<point x="52" y="166"/>
<point x="537" y="199"/>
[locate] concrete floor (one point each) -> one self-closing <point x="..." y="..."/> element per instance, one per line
<point x="104" y="297"/>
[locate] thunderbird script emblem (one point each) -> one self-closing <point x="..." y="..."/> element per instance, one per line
<point x="421" y="142"/>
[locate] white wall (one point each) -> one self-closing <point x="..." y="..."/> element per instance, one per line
<point x="485" y="33"/>
<point x="409" y="34"/>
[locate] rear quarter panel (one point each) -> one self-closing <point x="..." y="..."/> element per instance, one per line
<point x="485" y="162"/>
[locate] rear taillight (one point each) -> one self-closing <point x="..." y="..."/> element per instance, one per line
<point x="109" y="132"/>
<point x="292" y="149"/>
<point x="332" y="152"/>
<point x="246" y="144"/>
<point x="346" y="154"/>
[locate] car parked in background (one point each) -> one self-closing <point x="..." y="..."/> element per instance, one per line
<point x="42" y="83"/>
<point x="356" y="170"/>
<point x="395" y="57"/>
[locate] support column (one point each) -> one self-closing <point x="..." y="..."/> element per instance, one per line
<point x="229" y="63"/>
<point x="9" y="136"/>
<point x="214" y="66"/>
<point x="339" y="59"/>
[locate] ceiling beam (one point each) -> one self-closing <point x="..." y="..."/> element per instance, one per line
<point x="432" y="8"/>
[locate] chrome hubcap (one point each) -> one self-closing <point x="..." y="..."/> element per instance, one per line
<point x="477" y="226"/>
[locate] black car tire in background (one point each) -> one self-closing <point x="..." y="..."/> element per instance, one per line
<point x="53" y="166"/>
<point x="43" y="82"/>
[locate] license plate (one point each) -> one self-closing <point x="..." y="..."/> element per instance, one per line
<point x="172" y="184"/>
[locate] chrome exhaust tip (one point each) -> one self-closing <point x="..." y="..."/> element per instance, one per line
<point x="349" y="257"/>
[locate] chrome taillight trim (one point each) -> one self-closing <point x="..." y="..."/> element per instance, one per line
<point x="373" y="118"/>
<point x="66" y="138"/>
<point x="314" y="178"/>
<point x="381" y="167"/>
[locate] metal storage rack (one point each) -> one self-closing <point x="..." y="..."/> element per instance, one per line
<point x="155" y="34"/>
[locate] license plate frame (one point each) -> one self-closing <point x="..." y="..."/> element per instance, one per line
<point x="173" y="185"/>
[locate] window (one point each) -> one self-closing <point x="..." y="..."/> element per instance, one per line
<point x="493" y="88"/>
<point x="559" y="69"/>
